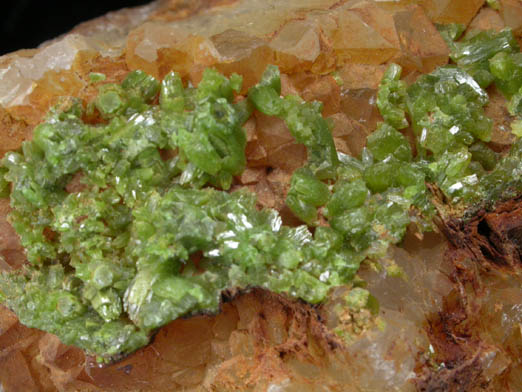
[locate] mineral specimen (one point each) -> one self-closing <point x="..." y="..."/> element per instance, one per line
<point x="431" y="315"/>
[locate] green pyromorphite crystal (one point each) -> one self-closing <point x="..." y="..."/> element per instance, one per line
<point x="516" y="128"/>
<point x="241" y="247"/>
<point x="141" y="239"/>
<point x="505" y="181"/>
<point x="96" y="77"/>
<point x="451" y="129"/>
<point x="451" y="32"/>
<point x="89" y="235"/>
<point x="391" y="97"/>
<point x="368" y="207"/>
<point x="472" y="53"/>
<point x="386" y="142"/>
<point x="4" y="184"/>
<point x="148" y="233"/>
<point x="507" y="70"/>
<point x="446" y="108"/>
<point x="494" y="57"/>
<point x="304" y="120"/>
<point x="306" y="193"/>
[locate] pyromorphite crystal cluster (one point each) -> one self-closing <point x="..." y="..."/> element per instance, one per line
<point x="129" y="224"/>
<point x="462" y="165"/>
<point x="365" y="202"/>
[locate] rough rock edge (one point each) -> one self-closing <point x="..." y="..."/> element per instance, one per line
<point x="492" y="239"/>
<point x="489" y="242"/>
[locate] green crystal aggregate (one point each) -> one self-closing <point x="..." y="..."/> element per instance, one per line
<point x="304" y="120"/>
<point x="123" y="243"/>
<point x="149" y="237"/>
<point x="473" y="52"/>
<point x="469" y="172"/>
<point x="390" y="99"/>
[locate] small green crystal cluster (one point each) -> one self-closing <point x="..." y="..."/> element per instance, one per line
<point x="148" y="232"/>
<point x="366" y="201"/>
<point x="446" y="109"/>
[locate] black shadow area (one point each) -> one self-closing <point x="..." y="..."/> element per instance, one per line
<point x="27" y="23"/>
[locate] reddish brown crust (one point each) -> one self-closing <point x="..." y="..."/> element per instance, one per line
<point x="489" y="243"/>
<point x="493" y="239"/>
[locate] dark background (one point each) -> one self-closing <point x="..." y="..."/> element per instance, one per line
<point x="25" y="24"/>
